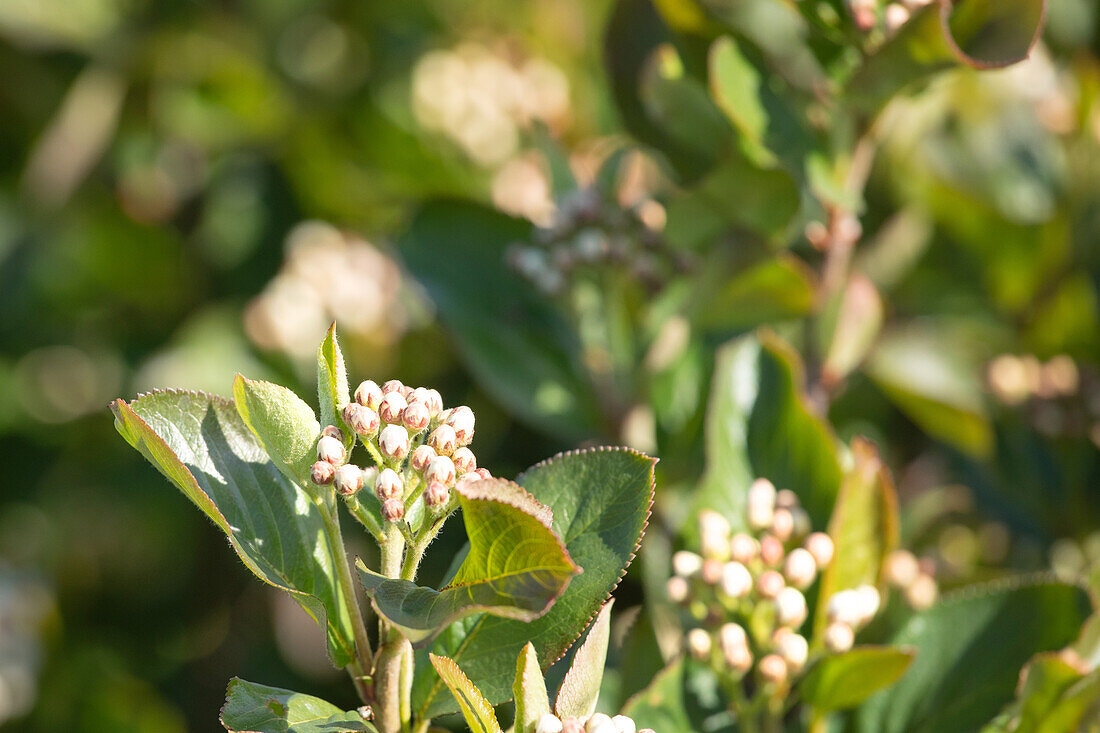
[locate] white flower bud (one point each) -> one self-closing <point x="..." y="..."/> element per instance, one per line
<point x="483" y="473"/>
<point x="623" y="724"/>
<point x="869" y="601"/>
<point x="464" y="460"/>
<point x="793" y="648"/>
<point x="415" y="417"/>
<point x="333" y="432"/>
<point x="786" y="499"/>
<point x="548" y="723"/>
<point x="420" y="394"/>
<point x="363" y="420"/>
<point x="600" y="723"/>
<point x="922" y="592"/>
<point x="712" y="571"/>
<point x="744" y="548"/>
<point x="393" y="386"/>
<point x="321" y="473"/>
<point x="437" y="494"/>
<point x="895" y="16"/>
<point x="368" y="394"/>
<point x="699" y="643"/>
<point x="686" y="564"/>
<point x="389" y="484"/>
<point x="790" y="607"/>
<point x="839" y="637"/>
<point x="760" y="504"/>
<point x="714" y="535"/>
<point x="421" y="457"/>
<point x="771" y="550"/>
<point x="900" y="568"/>
<point x="773" y="669"/>
<point x="677" y="589"/>
<point x="738" y="658"/>
<point x="441" y="469"/>
<point x="394" y="442"/>
<point x="443" y="440"/>
<point x="820" y="545"/>
<point x="434" y="402"/>
<point x="348" y="479"/>
<point x="393" y="405"/>
<point x="844" y="607"/>
<point x="736" y="580"/>
<point x="462" y="420"/>
<point x="769" y="584"/>
<point x="732" y="635"/>
<point x="782" y="524"/>
<point x="800" y="568"/>
<point x="393" y="510"/>
<point x="331" y="450"/>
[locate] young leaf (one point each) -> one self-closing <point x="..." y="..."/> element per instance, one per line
<point x="529" y="691"/>
<point x="776" y="289"/>
<point x="970" y="648"/>
<point x="601" y="500"/>
<point x="475" y="708"/>
<point x="865" y="526"/>
<point x="1054" y="696"/>
<point x="283" y="423"/>
<point x="857" y="318"/>
<point x="845" y="680"/>
<point x="991" y="33"/>
<point x="252" y="708"/>
<point x="332" y="378"/>
<point x="199" y="442"/>
<point x="581" y="687"/>
<point x="515" y="567"/>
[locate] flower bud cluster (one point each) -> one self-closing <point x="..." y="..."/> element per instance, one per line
<point x="589" y="232"/>
<point x="416" y="442"/>
<point x="866" y="14"/>
<point x="596" y="723"/>
<point x="915" y="578"/>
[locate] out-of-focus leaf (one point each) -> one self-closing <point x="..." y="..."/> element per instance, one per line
<point x="776" y="289"/>
<point x="282" y="422"/>
<point x="759" y="424"/>
<point x="681" y="697"/>
<point x="520" y="584"/>
<point x="970" y="648"/>
<point x="581" y="687"/>
<point x="892" y="251"/>
<point x="199" y="442"/>
<point x="865" y="526"/>
<point x="1053" y="697"/>
<point x="529" y="691"/>
<point x="600" y="499"/>
<point x="854" y="324"/>
<point x="991" y="33"/>
<point x="845" y="680"/>
<point x="475" y="708"/>
<point x="519" y="348"/>
<point x="925" y="378"/>
<point x="253" y="708"/>
<point x="735" y="85"/>
<point x="332" y="378"/>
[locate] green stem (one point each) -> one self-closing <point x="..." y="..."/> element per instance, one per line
<point x="365" y="517"/>
<point x="387" y="671"/>
<point x="416" y="550"/>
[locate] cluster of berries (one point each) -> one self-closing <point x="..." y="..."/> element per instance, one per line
<point x="598" y="723"/>
<point x="894" y="15"/>
<point x="746" y="589"/>
<point x="415" y="443"/>
<point x="589" y="232"/>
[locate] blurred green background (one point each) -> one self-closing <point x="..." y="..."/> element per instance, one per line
<point x="191" y="189"/>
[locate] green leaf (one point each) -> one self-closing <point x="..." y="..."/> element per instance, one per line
<point x="519" y="348"/>
<point x="735" y="85"/>
<point x="856" y="319"/>
<point x="681" y="697"/>
<point x="580" y="689"/>
<point x="516" y="566"/>
<point x="992" y="33"/>
<point x="776" y="289"/>
<point x="1053" y="697"/>
<point x="970" y="648"/>
<point x="283" y="423"/>
<point x="475" y="708"/>
<point x="865" y="526"/>
<point x="253" y="708"/>
<point x="845" y="680"/>
<point x="601" y="500"/>
<point x="529" y="691"/>
<point x="759" y="424"/>
<point x="332" y="379"/>
<point x="199" y="442"/>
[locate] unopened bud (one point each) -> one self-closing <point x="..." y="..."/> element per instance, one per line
<point x="895" y="16"/>
<point x="332" y="431"/>
<point x="421" y="457"/>
<point x="771" y="550"/>
<point x="483" y="473"/>
<point x="760" y="504"/>
<point x="922" y="592"/>
<point x="393" y="510"/>
<point x="677" y="589"/>
<point x="839" y="637"/>
<point x="714" y="535"/>
<point x="548" y="723"/>
<point x="441" y="469"/>
<point x="773" y="669"/>
<point x="783" y="524"/>
<point x="464" y="460"/>
<point x="786" y="499"/>
<point x="738" y="658"/>
<point x="443" y="440"/>
<point x="331" y="450"/>
<point x="744" y="548"/>
<point x="394" y="442"/>
<point x="769" y="584"/>
<point x="699" y="643"/>
<point x="363" y="420"/>
<point x="793" y="648"/>
<point x="368" y="394"/>
<point x="393" y="386"/>
<point x="869" y="601"/>
<point x="600" y="723"/>
<point x="389" y="485"/>
<point x="434" y="402"/>
<point x="348" y="479"/>
<point x="686" y="564"/>
<point x="732" y="635"/>
<point x="462" y="420"/>
<point x="572" y="725"/>
<point x="820" y="545"/>
<point x="623" y="724"/>
<point x="415" y="417"/>
<point x="800" y="568"/>
<point x="844" y="607"/>
<point x="420" y="394"/>
<point x="736" y="580"/>
<point x="437" y="494"/>
<point x="712" y="571"/>
<point x="790" y="607"/>
<point x="321" y="473"/>
<point x="900" y="568"/>
<point x="817" y="234"/>
<point x="393" y="405"/>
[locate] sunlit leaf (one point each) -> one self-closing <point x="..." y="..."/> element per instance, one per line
<point x="475" y="708"/>
<point x="581" y="687"/>
<point x="845" y="680"/>
<point x="529" y="691"/>
<point x="282" y="422"/>
<point x="332" y="378"/>
<point x="253" y="708"/>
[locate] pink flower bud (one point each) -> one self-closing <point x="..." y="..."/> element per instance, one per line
<point x="393" y="405"/>
<point x="363" y="420"/>
<point x="769" y="584"/>
<point x="771" y="550"/>
<point x="441" y="469"/>
<point x="434" y="402"/>
<point x="348" y="479"/>
<point x="483" y="473"/>
<point x="394" y="442"/>
<point x="773" y="669"/>
<point x="712" y="571"/>
<point x="839" y="637"/>
<point x="331" y="450"/>
<point x="786" y="499"/>
<point x="393" y="386"/>
<point x="922" y="592"/>
<point x="699" y="644"/>
<point x="321" y="473"/>
<point x="792" y="647"/>
<point x="393" y="510"/>
<point x="443" y="440"/>
<point x="415" y="417"/>
<point x="332" y="431"/>
<point x="368" y="394"/>
<point x="800" y="568"/>
<point x="437" y="494"/>
<point x="678" y="589"/>
<point x="389" y="484"/>
<point x="790" y="607"/>
<point x="421" y="457"/>
<point x="900" y="568"/>
<point x="736" y="580"/>
<point x="462" y="420"/>
<point x="744" y="548"/>
<point x="738" y="658"/>
<point x="760" y="503"/>
<point x="783" y="524"/>
<point x="820" y="545"/>
<point x="686" y="564"/>
<point x="572" y="725"/>
<point x="464" y="460"/>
